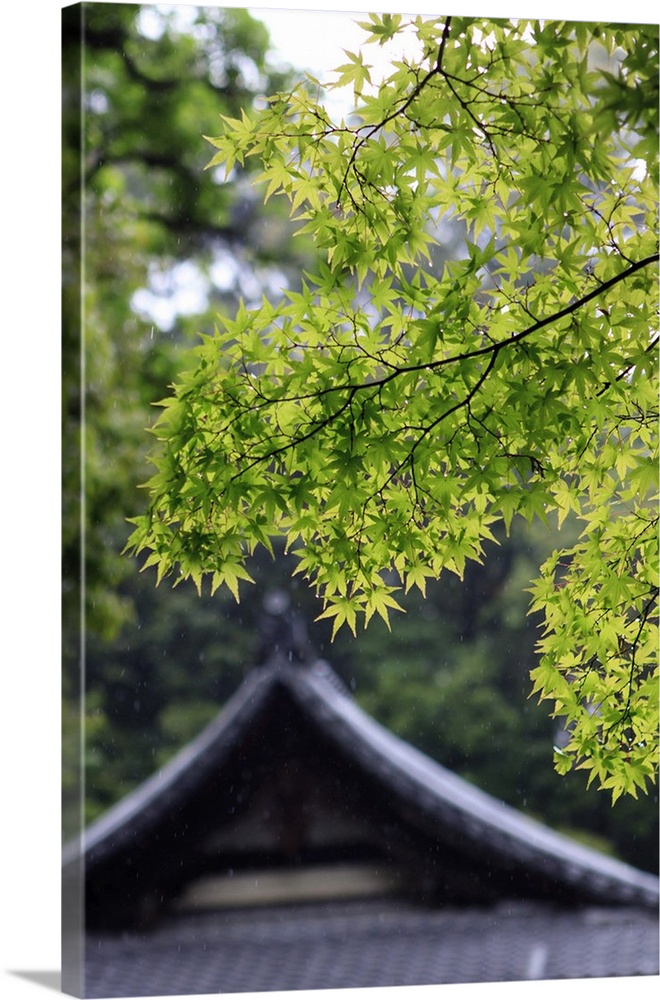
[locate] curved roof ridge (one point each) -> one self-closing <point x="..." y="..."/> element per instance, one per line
<point x="401" y="764"/>
<point x="147" y="795"/>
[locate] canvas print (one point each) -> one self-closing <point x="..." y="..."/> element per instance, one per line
<point x="360" y="574"/>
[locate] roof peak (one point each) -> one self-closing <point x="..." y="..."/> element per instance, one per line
<point x="283" y="632"/>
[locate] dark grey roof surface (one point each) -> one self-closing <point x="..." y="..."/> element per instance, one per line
<point x="372" y="944"/>
<point x="441" y="800"/>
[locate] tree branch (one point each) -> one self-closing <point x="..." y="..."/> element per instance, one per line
<point x="417" y="89"/>
<point x="491" y="349"/>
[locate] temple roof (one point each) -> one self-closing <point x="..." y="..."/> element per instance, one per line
<point x="331" y="946"/>
<point x="294" y="786"/>
<point x="435" y="801"/>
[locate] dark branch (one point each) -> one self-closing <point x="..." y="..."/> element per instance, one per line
<point x="490" y="349"/>
<point x="417" y="89"/>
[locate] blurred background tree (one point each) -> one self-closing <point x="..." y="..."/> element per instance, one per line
<point x="154" y="243"/>
<point x="163" y="242"/>
<point x="166" y="243"/>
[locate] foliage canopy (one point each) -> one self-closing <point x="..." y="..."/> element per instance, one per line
<point x="387" y="415"/>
